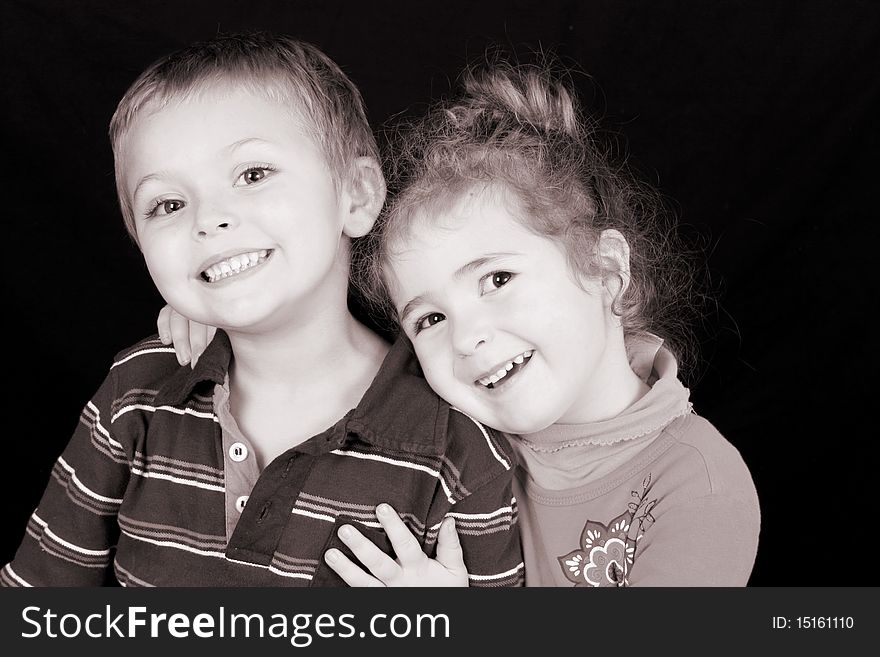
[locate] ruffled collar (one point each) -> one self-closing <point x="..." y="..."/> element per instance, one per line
<point x="666" y="400"/>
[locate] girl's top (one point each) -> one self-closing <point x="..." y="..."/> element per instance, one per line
<point x="653" y="497"/>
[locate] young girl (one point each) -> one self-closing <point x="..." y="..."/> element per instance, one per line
<point x="533" y="281"/>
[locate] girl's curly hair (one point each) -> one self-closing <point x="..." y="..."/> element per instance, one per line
<point x="520" y="127"/>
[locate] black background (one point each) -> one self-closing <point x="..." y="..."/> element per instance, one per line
<point x="757" y="120"/>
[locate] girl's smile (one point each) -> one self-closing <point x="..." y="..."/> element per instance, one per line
<point x="502" y="327"/>
<point x="504" y="372"/>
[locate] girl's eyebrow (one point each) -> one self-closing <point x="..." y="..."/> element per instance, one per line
<point x="410" y="306"/>
<point x="467" y="268"/>
<point x="479" y="263"/>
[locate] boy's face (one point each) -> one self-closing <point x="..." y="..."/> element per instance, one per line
<point x="236" y="212"/>
<point x="501" y="328"/>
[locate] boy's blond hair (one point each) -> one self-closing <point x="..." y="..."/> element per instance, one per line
<point x="277" y="67"/>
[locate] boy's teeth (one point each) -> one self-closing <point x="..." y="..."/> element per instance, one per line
<point x="518" y="360"/>
<point x="234" y="265"/>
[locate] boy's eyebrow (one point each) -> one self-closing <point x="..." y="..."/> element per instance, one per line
<point x="473" y="265"/>
<point x="231" y="148"/>
<point x="244" y="142"/>
<point x="143" y="181"/>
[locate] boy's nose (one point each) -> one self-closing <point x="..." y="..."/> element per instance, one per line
<point x="212" y="218"/>
<point x="204" y="230"/>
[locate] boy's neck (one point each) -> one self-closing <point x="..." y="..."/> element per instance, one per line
<point x="307" y="352"/>
<point x="293" y="383"/>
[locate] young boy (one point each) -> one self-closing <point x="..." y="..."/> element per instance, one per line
<point x="245" y="166"/>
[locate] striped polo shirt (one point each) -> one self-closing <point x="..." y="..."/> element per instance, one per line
<point x="139" y="496"/>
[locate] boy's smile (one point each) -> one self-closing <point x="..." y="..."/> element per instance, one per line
<point x="236" y="210"/>
<point x="224" y="268"/>
<point x="500" y="325"/>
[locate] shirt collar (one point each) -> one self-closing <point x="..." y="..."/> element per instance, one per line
<point x="398" y="411"/>
<point x="211" y="366"/>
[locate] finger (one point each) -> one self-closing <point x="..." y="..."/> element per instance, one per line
<point x="353" y="574"/>
<point x="376" y="562"/>
<point x="405" y="545"/>
<point x="163" y="324"/>
<point x="449" y="552"/>
<point x="180" y="335"/>
<point x="198" y="340"/>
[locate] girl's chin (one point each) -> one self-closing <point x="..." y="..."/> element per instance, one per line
<point x="519" y="425"/>
<point x="524" y="430"/>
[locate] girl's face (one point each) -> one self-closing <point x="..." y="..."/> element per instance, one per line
<point x="501" y="327"/>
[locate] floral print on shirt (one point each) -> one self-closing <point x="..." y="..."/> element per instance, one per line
<point x="607" y="551"/>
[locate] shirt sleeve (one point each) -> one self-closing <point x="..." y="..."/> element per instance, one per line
<point x="71" y="537"/>
<point x="708" y="541"/>
<point x="488" y="530"/>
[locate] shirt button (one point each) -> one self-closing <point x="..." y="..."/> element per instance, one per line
<point x="240" y="502"/>
<point x="238" y="452"/>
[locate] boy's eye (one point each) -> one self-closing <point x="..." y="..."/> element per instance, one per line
<point x="165" y="207"/>
<point x="428" y="321"/>
<point x="169" y="207"/>
<point x="254" y="174"/>
<point x="495" y="280"/>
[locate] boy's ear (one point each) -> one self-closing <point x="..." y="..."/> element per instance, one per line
<point x="364" y="196"/>
<point x="613" y="250"/>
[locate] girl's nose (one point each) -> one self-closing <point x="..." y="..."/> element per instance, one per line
<point x="468" y="338"/>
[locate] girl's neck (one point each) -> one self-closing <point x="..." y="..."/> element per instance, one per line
<point x="617" y="388"/>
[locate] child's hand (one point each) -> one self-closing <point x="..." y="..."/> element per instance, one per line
<point x="190" y="338"/>
<point x="412" y="568"/>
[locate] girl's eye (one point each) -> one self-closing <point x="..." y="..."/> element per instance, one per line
<point x="495" y="280"/>
<point x="428" y="321"/>
<point x="164" y="207"/>
<point x="500" y="278"/>
<point x="254" y="174"/>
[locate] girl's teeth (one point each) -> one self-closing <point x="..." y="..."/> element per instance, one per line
<point x="500" y="374"/>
